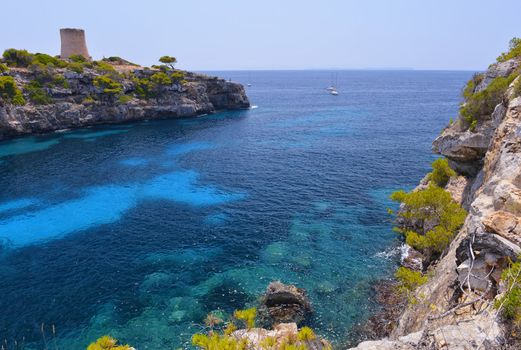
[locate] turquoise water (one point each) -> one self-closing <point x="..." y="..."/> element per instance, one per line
<point x="140" y="230"/>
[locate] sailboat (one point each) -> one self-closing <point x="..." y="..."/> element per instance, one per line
<point x="332" y="88"/>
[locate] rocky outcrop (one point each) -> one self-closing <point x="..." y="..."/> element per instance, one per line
<point x="283" y="303"/>
<point x="455" y="308"/>
<point x="72" y="107"/>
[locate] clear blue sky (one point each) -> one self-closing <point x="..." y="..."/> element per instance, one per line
<point x="274" y="34"/>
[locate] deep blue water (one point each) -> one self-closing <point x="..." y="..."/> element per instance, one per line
<point x="140" y="230"/>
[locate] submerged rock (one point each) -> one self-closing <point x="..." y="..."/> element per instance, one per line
<point x="283" y="303"/>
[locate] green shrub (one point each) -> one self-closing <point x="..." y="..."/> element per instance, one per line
<point x="441" y="172"/>
<point x="144" y="88"/>
<point x="468" y="91"/>
<point x="88" y="100"/>
<point x="124" y="99"/>
<point x="409" y="280"/>
<point x="306" y="334"/>
<point x="511" y="299"/>
<point x="160" y="79"/>
<point x="247" y="316"/>
<point x="517" y="88"/>
<point x="37" y="94"/>
<point x="42" y="73"/>
<point x="107" y="343"/>
<point x="483" y="103"/>
<point x="59" y="80"/>
<point x="76" y="67"/>
<point x="78" y="58"/>
<point x="48" y="59"/>
<point x="3" y="68"/>
<point x="104" y="67"/>
<point x="432" y="204"/>
<point x="108" y="86"/>
<point x="9" y="92"/>
<point x="513" y="52"/>
<point x="216" y="341"/>
<point x="18" y="58"/>
<point x="177" y="76"/>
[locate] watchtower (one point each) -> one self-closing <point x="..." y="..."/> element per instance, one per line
<point x="73" y="43"/>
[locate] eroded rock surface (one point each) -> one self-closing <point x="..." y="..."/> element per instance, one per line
<point x="200" y="94"/>
<point x="454" y="309"/>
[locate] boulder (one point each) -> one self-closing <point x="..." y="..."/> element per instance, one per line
<point x="411" y="258"/>
<point x="505" y="224"/>
<point x="283" y="303"/>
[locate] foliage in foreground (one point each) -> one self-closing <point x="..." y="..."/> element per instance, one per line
<point x="107" y="343"/>
<point x="431" y="205"/>
<point x="224" y="340"/>
<point x="510" y="301"/>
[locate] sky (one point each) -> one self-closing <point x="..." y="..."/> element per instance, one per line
<point x="274" y="34"/>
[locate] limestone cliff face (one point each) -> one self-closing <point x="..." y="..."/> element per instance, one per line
<point x="455" y="308"/>
<point x="199" y="94"/>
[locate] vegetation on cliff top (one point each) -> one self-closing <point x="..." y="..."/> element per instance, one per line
<point x="513" y="52"/>
<point x="480" y="104"/>
<point x="48" y="73"/>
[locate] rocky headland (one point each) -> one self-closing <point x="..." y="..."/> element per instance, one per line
<point x="467" y="295"/>
<point x="40" y="93"/>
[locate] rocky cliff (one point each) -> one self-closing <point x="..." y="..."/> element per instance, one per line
<point x="455" y="308"/>
<point x="132" y="93"/>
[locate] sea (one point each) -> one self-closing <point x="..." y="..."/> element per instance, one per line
<point x="140" y="230"/>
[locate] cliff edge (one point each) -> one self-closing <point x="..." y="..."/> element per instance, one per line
<point x="462" y="305"/>
<point x="40" y="93"/>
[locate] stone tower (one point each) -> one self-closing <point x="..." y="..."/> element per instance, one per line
<point x="73" y="43"/>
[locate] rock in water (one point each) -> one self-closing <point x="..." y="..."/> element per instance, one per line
<point x="283" y="304"/>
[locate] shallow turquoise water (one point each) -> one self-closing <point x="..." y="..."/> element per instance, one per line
<point x="140" y="230"/>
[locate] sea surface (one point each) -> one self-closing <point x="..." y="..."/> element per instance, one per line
<point x="140" y="230"/>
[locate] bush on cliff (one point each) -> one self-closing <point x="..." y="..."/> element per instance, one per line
<point x="482" y="103"/>
<point x="441" y="172"/>
<point x="107" y="343"/>
<point x="160" y="79"/>
<point x="513" y="52"/>
<point x="144" y="88"/>
<point x="107" y="85"/>
<point x="433" y="206"/>
<point x="468" y="91"/>
<point x="18" y="58"/>
<point x="42" y="73"/>
<point x="3" y="68"/>
<point x="409" y="280"/>
<point x="177" y="77"/>
<point x="76" y="67"/>
<point x="510" y="301"/>
<point x="45" y="59"/>
<point x="9" y="92"/>
<point x="37" y="93"/>
<point x="517" y="88"/>
<point x="77" y="58"/>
